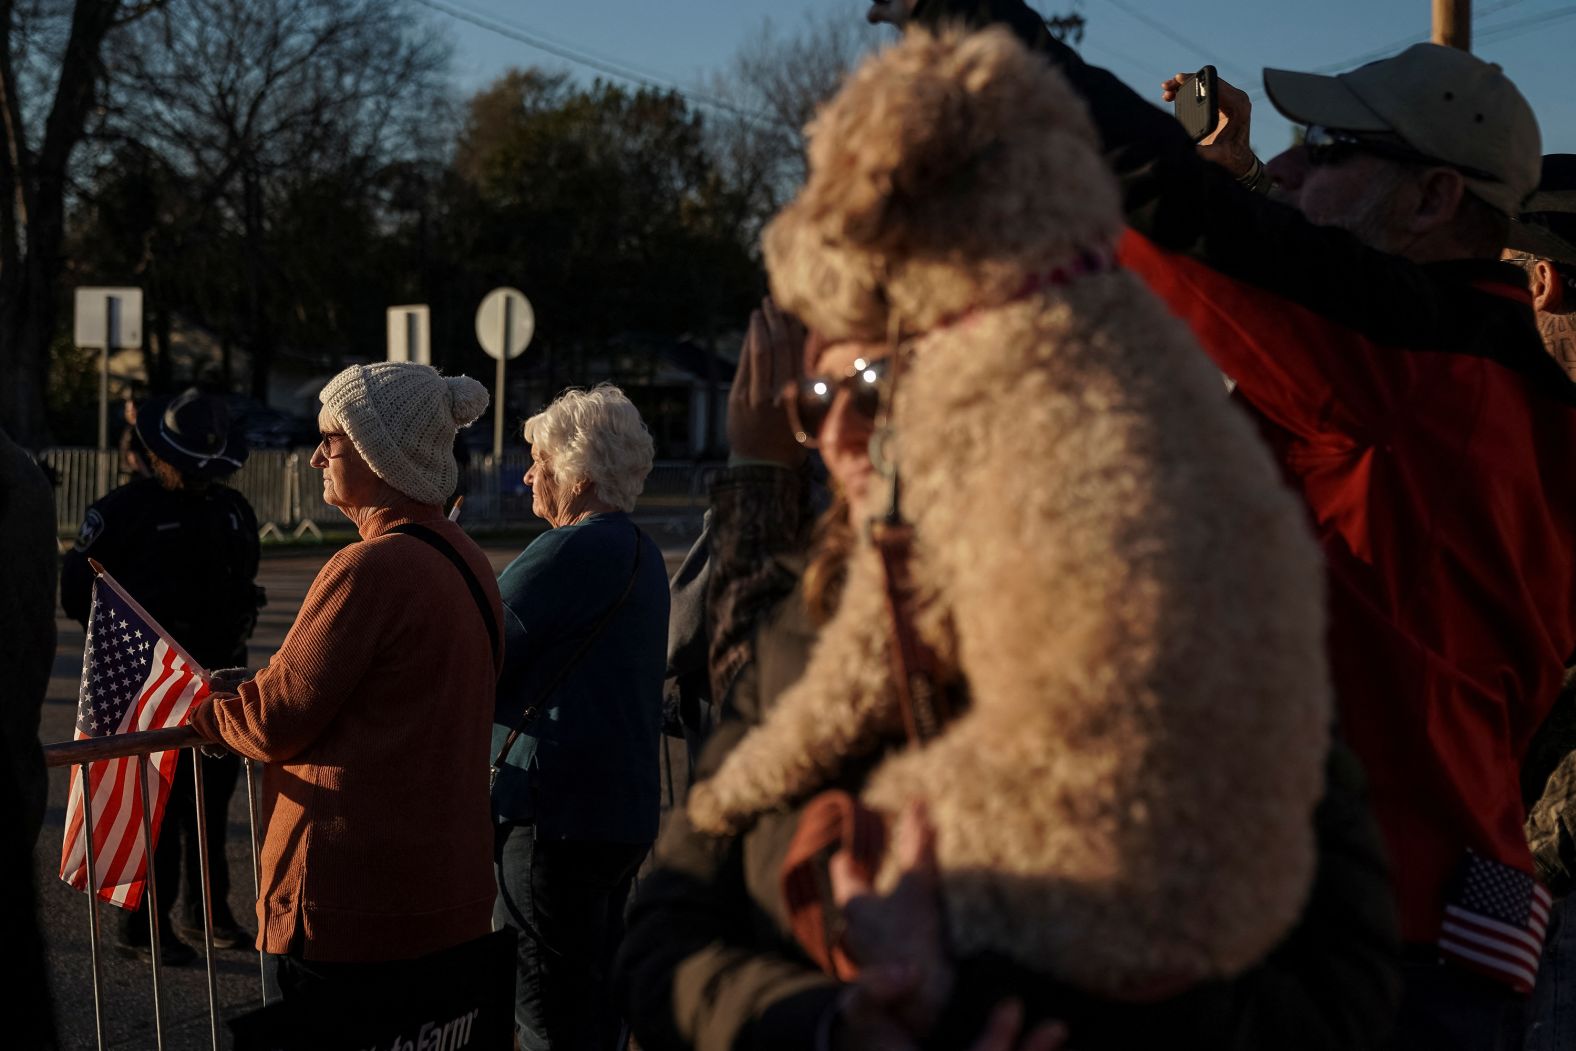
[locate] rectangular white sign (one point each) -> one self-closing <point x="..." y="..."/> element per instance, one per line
<point x="410" y="334"/>
<point x="108" y="318"/>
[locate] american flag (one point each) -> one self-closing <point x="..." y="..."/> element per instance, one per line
<point x="134" y="677"/>
<point x="1495" y="921"/>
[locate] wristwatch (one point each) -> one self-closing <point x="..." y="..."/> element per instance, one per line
<point x="1256" y="178"/>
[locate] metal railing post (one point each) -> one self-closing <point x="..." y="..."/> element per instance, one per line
<point x="294" y="510"/>
<point x="207" y="898"/>
<point x="93" y="922"/>
<point x="153" y="898"/>
<point x="257" y="866"/>
<point x="76" y="756"/>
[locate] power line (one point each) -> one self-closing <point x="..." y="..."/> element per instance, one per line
<point x="1160" y="27"/>
<point x="1135" y="64"/>
<point x="484" y="11"/>
<point x="1241" y="78"/>
<point x="584" y="58"/>
<point x="1507" y="30"/>
<point x="1488" y="34"/>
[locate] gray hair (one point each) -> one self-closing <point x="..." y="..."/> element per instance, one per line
<point x="595" y="436"/>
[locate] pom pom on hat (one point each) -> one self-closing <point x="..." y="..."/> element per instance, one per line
<point x="468" y="399"/>
<point x="402" y="418"/>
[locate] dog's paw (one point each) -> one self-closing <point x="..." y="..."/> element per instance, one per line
<point x="706" y="811"/>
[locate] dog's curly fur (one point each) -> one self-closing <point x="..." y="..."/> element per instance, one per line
<point x="1105" y="550"/>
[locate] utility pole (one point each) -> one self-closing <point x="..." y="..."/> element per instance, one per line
<point x="1453" y="23"/>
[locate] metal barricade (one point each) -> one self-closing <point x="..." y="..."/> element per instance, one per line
<point x="676" y="495"/>
<point x="287" y="492"/>
<point x="81" y="477"/>
<point x="82" y="754"/>
<point x="267" y="481"/>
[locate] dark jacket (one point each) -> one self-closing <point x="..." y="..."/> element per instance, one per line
<point x="687" y="710"/>
<point x="1416" y="411"/>
<point x="27" y="653"/>
<point x="707" y="961"/>
<point x="587" y="769"/>
<point x="188" y="556"/>
<point x="27" y="624"/>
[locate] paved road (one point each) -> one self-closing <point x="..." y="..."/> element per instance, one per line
<point x="126" y="990"/>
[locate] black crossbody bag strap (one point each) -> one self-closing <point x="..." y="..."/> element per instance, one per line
<point x="533" y="709"/>
<point x="443" y="547"/>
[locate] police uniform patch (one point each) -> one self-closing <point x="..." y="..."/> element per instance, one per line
<point x="92" y="526"/>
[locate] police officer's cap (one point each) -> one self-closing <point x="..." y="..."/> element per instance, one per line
<point x="193" y="433"/>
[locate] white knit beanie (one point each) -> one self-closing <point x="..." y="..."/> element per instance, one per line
<point x="402" y="418"/>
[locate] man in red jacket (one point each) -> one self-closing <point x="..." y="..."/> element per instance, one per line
<point x="1395" y="371"/>
<point x="1543" y="243"/>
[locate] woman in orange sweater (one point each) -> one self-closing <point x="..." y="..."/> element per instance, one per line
<point x="374" y="716"/>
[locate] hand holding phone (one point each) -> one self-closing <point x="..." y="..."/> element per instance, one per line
<point x="1197" y="103"/>
<point x="1219" y="117"/>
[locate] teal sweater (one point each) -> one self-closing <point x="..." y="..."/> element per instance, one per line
<point x="587" y="770"/>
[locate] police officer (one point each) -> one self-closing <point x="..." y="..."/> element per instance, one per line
<point x="186" y="548"/>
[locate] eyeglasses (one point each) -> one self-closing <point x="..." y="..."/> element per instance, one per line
<point x="1331" y="146"/>
<point x="334" y="444"/>
<point x="1564" y="271"/>
<point x="810" y="399"/>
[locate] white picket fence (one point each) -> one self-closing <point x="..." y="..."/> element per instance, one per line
<point x="287" y="493"/>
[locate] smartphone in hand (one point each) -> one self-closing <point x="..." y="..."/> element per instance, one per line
<point x="1197" y="105"/>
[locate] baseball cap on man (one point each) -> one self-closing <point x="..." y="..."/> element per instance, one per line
<point x="1442" y="102"/>
<point x="1547" y="229"/>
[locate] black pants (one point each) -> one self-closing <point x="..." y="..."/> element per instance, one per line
<point x="177" y="846"/>
<point x="350" y="986"/>
<point x="1447" y="1008"/>
<point x="565" y="900"/>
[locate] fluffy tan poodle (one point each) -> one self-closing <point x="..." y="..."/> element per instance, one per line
<point x="1107" y="555"/>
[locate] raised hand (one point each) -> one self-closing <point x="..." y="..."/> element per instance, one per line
<point x="1228" y="144"/>
<point x="770" y="360"/>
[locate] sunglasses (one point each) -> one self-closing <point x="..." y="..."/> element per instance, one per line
<point x="1564" y="271"/>
<point x="1329" y="146"/>
<point x="810" y="399"/>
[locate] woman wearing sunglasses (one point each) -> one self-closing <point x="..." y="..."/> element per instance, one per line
<point x="1112" y="826"/>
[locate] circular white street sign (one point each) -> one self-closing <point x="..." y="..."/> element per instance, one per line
<point x="505" y="323"/>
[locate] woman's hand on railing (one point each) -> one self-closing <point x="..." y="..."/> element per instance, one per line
<point x="228" y="680"/>
<point x="223" y="682"/>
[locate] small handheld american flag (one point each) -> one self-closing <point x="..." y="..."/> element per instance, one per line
<point x="134" y="677"/>
<point x="1495" y="921"/>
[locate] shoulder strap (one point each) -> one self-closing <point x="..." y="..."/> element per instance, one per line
<point x="532" y="710"/>
<point x="434" y="540"/>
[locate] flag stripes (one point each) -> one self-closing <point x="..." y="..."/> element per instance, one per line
<point x="134" y="678"/>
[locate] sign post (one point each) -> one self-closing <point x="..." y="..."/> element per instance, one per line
<point x="505" y="324"/>
<point x="107" y="319"/>
<point x="410" y="333"/>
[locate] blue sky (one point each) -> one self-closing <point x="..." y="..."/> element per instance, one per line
<point x="682" y="41"/>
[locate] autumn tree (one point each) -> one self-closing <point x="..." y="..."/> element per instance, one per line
<point x="604" y="205"/>
<point x="769" y="91"/>
<point x="772" y="88"/>
<point x="52" y="74"/>
<point x="280" y="126"/>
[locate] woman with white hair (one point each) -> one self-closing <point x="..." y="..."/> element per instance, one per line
<point x="579" y="713"/>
